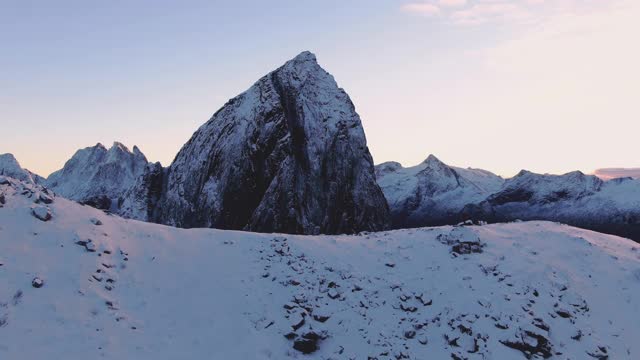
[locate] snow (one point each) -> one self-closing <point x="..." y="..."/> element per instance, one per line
<point x="205" y="293"/>
<point x="9" y="166"/>
<point x="432" y="190"/>
<point x="400" y="183"/>
<point x="289" y="154"/>
<point x="96" y="172"/>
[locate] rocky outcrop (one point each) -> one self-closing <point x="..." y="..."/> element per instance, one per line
<point x="141" y="200"/>
<point x="288" y="155"/>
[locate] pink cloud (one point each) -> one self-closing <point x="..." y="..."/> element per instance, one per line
<point x="473" y="12"/>
<point x="481" y="13"/>
<point x="422" y="8"/>
<point x="452" y="3"/>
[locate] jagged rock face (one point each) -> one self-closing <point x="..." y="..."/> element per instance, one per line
<point x="288" y="155"/>
<point x="432" y="193"/>
<point x="141" y="200"/>
<point x="97" y="176"/>
<point x="574" y="198"/>
<point x="10" y="167"/>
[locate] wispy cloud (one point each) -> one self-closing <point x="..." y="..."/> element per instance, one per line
<point x="613" y="173"/>
<point x="424" y="9"/>
<point x="452" y="3"/>
<point x="476" y="12"/>
<point x="481" y="13"/>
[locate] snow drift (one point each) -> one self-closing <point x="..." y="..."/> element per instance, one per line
<point x="84" y="284"/>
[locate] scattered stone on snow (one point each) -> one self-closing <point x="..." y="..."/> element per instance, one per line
<point x="37" y="282"/>
<point x="41" y="213"/>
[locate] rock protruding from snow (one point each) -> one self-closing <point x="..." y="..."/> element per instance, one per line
<point x="432" y="193"/>
<point x="37" y="282"/>
<point x="41" y="212"/>
<point x="288" y="155"/>
<point x="98" y="176"/>
<point x="10" y="167"/>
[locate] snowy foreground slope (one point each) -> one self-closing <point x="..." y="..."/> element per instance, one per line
<point x="147" y="291"/>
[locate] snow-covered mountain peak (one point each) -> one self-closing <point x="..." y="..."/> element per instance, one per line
<point x="387" y="167"/>
<point x="305" y="56"/>
<point x="119" y="146"/>
<point x="432" y="192"/>
<point x="8" y="161"/>
<point x="432" y="160"/>
<point x="136" y="151"/>
<point x="10" y="166"/>
<point x="97" y="175"/>
<point x="287" y="155"/>
<point x="546" y="186"/>
<point x="303" y="64"/>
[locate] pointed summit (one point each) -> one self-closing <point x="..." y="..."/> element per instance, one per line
<point x="10" y="167"/>
<point x="433" y="160"/>
<point x="119" y="146"/>
<point x="97" y="176"/>
<point x="287" y="155"/>
<point x="305" y="56"/>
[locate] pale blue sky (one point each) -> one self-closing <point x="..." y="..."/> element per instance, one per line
<point x="543" y="85"/>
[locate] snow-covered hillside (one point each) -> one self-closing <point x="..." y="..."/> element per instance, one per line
<point x="83" y="284"/>
<point x="99" y="176"/>
<point x="432" y="192"/>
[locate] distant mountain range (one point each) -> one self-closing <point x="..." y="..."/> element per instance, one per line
<point x="287" y="155"/>
<point x="613" y="173"/>
<point x="434" y="193"/>
<point x="290" y="155"/>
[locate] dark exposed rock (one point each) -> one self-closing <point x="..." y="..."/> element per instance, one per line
<point x="44" y="198"/>
<point x="88" y="244"/>
<point x="524" y="342"/>
<point x="600" y="353"/>
<point x="141" y="201"/>
<point x="308" y="342"/>
<point x="408" y="308"/>
<point x="333" y="294"/>
<point x="297" y="324"/>
<point x="102" y="202"/>
<point x="467" y="247"/>
<point x="37" y="282"/>
<point x="305" y="346"/>
<point x="41" y="213"/>
<point x="288" y="155"/>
